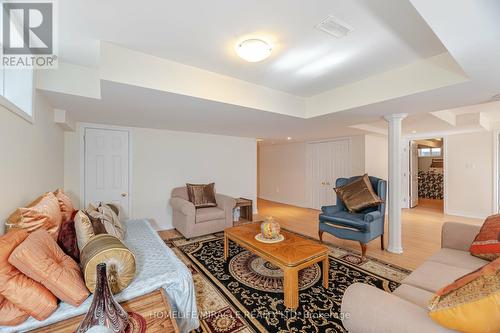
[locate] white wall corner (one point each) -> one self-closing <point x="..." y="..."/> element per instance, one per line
<point x="473" y="120"/>
<point x="484" y="122"/>
<point x="63" y="119"/>
<point x="446" y="116"/>
<point x="70" y="79"/>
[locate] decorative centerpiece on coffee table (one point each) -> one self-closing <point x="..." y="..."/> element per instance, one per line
<point x="269" y="231"/>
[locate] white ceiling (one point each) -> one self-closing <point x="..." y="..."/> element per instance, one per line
<point x="490" y="110"/>
<point x="305" y="61"/>
<point x="126" y="105"/>
<point x="419" y="123"/>
<point x="387" y="34"/>
<point x="426" y="123"/>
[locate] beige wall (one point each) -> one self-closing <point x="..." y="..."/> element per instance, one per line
<point x="282" y="173"/>
<point x="162" y="160"/>
<point x="283" y="168"/>
<point x="470" y="174"/>
<point x="32" y="157"/>
<point x="358" y="154"/>
<point x="376" y="152"/>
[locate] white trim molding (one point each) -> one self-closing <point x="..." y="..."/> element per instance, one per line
<point x="465" y="214"/>
<point x="406" y="165"/>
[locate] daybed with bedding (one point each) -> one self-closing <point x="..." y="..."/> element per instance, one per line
<point x="156" y="267"/>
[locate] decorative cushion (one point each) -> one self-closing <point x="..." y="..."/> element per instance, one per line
<point x="25" y="293"/>
<point x="65" y="204"/>
<point x="209" y="214"/>
<point x="114" y="208"/>
<point x="119" y="260"/>
<point x="40" y="258"/>
<point x="486" y="245"/>
<point x="67" y="240"/>
<point x="11" y="315"/>
<point x="471" y="303"/>
<point x="201" y="195"/>
<point x="83" y="228"/>
<point x="106" y="215"/>
<point x="358" y="195"/>
<point x="43" y="213"/>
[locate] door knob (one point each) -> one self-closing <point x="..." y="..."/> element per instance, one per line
<point x="124" y="195"/>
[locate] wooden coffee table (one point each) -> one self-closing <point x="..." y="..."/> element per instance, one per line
<point x="291" y="255"/>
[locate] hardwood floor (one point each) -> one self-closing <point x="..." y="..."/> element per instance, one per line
<point x="421" y="230"/>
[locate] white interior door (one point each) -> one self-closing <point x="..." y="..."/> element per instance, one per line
<point x="107" y="167"/>
<point x="329" y="161"/>
<point x="413" y="174"/>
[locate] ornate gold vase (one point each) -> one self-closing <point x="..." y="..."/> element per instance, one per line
<point x="270" y="229"/>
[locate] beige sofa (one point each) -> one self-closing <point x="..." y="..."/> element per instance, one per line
<point x="367" y="309"/>
<point x="191" y="222"/>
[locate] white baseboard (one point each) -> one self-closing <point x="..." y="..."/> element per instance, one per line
<point x="302" y="205"/>
<point x="465" y="214"/>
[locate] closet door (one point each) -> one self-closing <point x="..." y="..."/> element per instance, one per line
<point x="327" y="162"/>
<point x="316" y="179"/>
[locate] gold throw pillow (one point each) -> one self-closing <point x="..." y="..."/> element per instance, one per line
<point x="470" y="304"/>
<point x="106" y="216"/>
<point x="358" y="195"/>
<point x="202" y="195"/>
<point x="83" y="228"/>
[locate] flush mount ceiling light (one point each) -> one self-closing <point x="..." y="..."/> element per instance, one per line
<point x="253" y="50"/>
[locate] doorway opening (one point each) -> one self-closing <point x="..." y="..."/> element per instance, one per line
<point x="427" y="174"/>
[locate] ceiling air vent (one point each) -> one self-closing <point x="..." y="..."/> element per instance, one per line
<point x="335" y="27"/>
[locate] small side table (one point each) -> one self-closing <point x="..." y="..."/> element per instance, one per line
<point x="246" y="208"/>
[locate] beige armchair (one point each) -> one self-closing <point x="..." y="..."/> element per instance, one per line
<point x="191" y="222"/>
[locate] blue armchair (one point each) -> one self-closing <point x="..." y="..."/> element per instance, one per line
<point x="363" y="226"/>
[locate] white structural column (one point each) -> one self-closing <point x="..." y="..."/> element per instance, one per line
<point x="395" y="184"/>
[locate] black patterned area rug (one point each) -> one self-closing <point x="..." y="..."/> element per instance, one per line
<point x="245" y="294"/>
